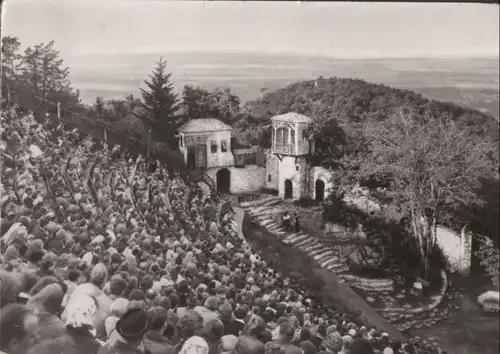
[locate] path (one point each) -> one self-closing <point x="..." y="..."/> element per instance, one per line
<point x="327" y="287"/>
<point x="380" y="293"/>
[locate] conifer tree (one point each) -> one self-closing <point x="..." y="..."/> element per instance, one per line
<point x="159" y="103"/>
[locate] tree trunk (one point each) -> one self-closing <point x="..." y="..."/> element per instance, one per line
<point x="422" y="231"/>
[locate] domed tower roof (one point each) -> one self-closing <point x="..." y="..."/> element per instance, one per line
<point x="292" y="117"/>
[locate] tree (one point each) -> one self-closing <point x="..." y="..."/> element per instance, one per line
<point x="44" y="79"/>
<point x="159" y="103"/>
<point x="226" y="104"/>
<point x="434" y="165"/>
<point x="10" y="60"/>
<point x="489" y="256"/>
<point x="330" y="142"/>
<point x="98" y="107"/>
<point x="132" y="103"/>
<point x="198" y="102"/>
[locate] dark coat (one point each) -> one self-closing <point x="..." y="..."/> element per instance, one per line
<point x="119" y="348"/>
<point x="155" y="343"/>
<point x="72" y="341"/>
<point x="233" y="327"/>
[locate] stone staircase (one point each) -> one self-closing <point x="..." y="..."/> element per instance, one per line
<point x="265" y="210"/>
<point x="335" y="257"/>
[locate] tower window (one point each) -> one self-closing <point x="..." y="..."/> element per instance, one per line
<point x="297" y="167"/>
<point x="213" y="147"/>
<point x="304" y="136"/>
<point x="223" y="145"/>
<point x="269" y="177"/>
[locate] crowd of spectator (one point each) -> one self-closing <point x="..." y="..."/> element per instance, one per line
<point x="102" y="252"/>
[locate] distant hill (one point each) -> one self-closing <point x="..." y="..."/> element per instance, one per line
<point x="351" y="101"/>
<point x="466" y="81"/>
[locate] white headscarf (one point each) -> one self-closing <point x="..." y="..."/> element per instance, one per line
<point x="81" y="312"/>
<point x="195" y="345"/>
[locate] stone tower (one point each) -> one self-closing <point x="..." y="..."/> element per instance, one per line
<point x="292" y="148"/>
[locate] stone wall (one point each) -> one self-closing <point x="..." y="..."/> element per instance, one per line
<point x="218" y="158"/>
<point x="250" y="178"/>
<point x="272" y="171"/>
<point x="457" y="249"/>
<point x="293" y="169"/>
<point x="322" y="174"/>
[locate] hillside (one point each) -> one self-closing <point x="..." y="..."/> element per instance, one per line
<point x="352" y="105"/>
<point x="351" y="102"/>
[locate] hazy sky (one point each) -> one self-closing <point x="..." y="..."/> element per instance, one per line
<point x="353" y="30"/>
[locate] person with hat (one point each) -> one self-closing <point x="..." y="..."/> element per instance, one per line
<point x="129" y="333"/>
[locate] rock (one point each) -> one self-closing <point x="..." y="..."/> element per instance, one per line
<point x="370" y="299"/>
<point x="489" y="300"/>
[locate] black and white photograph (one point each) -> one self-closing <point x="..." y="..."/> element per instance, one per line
<point x="249" y="177"/>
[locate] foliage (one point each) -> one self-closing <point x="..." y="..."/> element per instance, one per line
<point x="455" y="146"/>
<point x="353" y="102"/>
<point x="489" y="255"/>
<point x="160" y="103"/>
<point x="249" y="130"/>
<point x="330" y="142"/>
<point x="434" y="166"/>
<point x="198" y="102"/>
<point x="37" y="79"/>
<point x="114" y="110"/>
<point x="10" y="61"/>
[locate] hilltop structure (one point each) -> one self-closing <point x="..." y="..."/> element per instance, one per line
<point x="208" y="146"/>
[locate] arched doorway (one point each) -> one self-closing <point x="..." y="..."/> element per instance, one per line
<point x="223" y="180"/>
<point x="320" y="190"/>
<point x="288" y="189"/>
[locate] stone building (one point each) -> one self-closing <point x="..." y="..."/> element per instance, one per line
<point x="288" y="167"/>
<point x="207" y="146"/>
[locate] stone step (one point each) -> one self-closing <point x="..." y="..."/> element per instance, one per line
<point x="310" y="247"/>
<point x="258" y="201"/>
<point x="265" y="210"/>
<point x="275" y="229"/>
<point x="306" y="242"/>
<point x="260" y="219"/>
<point x="323" y="255"/>
<point x="259" y="212"/>
<point x="302" y="241"/>
<point x="273" y="226"/>
<point x="297" y="238"/>
<point x="327" y="262"/>
<point x="313" y="247"/>
<point x="267" y="221"/>
<point x="319" y="250"/>
<point x="327" y="256"/>
<point x="337" y="268"/>
<point x="271" y="202"/>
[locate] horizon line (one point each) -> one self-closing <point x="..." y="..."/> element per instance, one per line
<point x="290" y="52"/>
